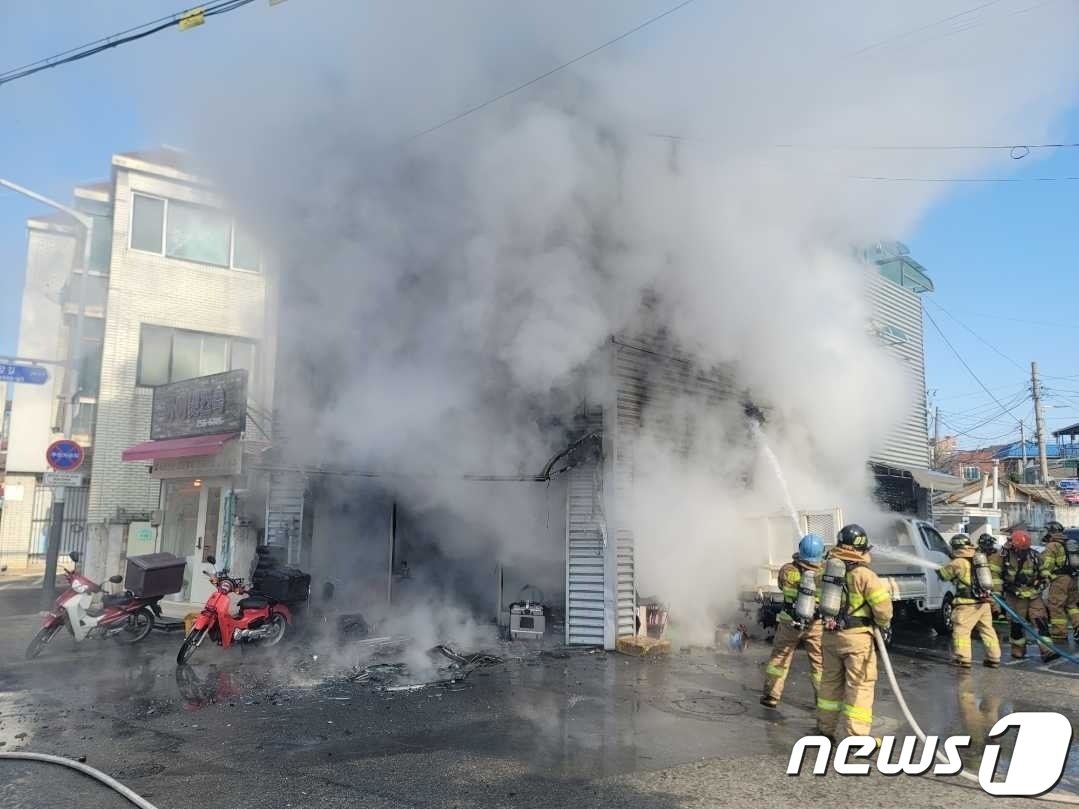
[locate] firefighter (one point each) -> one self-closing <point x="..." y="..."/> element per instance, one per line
<point x="987" y="544"/>
<point x="799" y="621"/>
<point x="853" y="601"/>
<point x="973" y="588"/>
<point x="1021" y="582"/>
<point x="1059" y="570"/>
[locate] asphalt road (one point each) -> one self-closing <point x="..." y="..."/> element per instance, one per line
<point x="279" y="728"/>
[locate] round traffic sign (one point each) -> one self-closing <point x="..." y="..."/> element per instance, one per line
<point x="64" y="455"/>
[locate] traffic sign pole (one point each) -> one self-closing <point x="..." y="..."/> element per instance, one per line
<point x="71" y="374"/>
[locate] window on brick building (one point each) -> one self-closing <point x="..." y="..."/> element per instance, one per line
<point x="197" y="233"/>
<point x="184" y="230"/>
<point x="972" y="473"/>
<point x="147" y="223"/>
<point x="171" y="355"/>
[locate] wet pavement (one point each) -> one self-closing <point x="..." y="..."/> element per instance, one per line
<point x="280" y="728"/>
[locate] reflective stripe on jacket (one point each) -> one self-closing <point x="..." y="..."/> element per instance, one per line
<point x="960" y="570"/>
<point x="1020" y="573"/>
<point x="1054" y="561"/>
<point x="996" y="568"/>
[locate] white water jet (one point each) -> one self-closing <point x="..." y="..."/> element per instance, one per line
<point x="903" y="556"/>
<point x="777" y="470"/>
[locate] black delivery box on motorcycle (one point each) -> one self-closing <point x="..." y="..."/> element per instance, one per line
<point x="154" y="574"/>
<point x="286" y="584"/>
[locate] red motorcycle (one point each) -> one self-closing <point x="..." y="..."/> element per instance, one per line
<point x="262" y="620"/>
<point x="126" y="617"/>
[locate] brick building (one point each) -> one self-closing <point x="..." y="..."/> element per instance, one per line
<point x="175" y="291"/>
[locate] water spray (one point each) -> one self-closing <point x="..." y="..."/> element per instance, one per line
<point x="903" y="556"/>
<point x="756" y="421"/>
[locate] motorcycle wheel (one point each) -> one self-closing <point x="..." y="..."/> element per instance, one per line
<point x="139" y="625"/>
<point x="278" y="624"/>
<point x="190" y="644"/>
<point x="41" y="639"/>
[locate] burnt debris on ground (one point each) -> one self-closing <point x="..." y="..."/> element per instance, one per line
<point x="455" y="668"/>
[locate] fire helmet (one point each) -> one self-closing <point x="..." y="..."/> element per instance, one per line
<point x="1054" y="527"/>
<point x="959" y="541"/>
<point x="811" y="549"/>
<point x="987" y="543"/>
<point x="1021" y="540"/>
<point x="853" y="536"/>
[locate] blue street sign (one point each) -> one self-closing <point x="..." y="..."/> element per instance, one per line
<point x="64" y="455"/>
<point x="23" y="374"/>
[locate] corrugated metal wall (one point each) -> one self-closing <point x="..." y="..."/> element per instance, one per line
<point x="899" y="308"/>
<point x="652" y="382"/>
<point x="586" y="547"/>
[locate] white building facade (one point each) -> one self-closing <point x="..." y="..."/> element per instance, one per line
<point x="176" y="291"/>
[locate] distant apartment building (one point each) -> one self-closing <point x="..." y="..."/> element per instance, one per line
<point x="175" y="290"/>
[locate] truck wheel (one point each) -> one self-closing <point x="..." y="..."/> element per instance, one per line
<point x="942" y="621"/>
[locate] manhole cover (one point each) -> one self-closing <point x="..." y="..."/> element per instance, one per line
<point x="700" y="705"/>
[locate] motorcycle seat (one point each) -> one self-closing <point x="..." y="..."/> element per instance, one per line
<point x="254" y="603"/>
<point x="116" y="600"/>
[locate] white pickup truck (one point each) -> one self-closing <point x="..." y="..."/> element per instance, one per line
<point x="918" y="594"/>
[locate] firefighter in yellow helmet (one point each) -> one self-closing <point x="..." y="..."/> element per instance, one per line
<point x="853" y="601"/>
<point x="1060" y="568"/>
<point x="799" y="620"/>
<point x="969" y="570"/>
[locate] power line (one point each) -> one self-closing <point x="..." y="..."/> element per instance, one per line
<point x="882" y="179"/>
<point x="970" y="370"/>
<point x="121" y="38"/>
<point x="977" y="336"/>
<point x="985" y="414"/>
<point x="922" y="28"/>
<point x="969" y="433"/>
<point x="551" y="72"/>
<point x="1017" y="150"/>
<point x="978" y="392"/>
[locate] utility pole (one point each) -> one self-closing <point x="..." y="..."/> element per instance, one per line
<point x="71" y="381"/>
<point x="1039" y="423"/>
<point x="1023" y="441"/>
<point x="936" y="438"/>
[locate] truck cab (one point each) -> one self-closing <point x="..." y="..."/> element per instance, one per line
<point x="917" y="592"/>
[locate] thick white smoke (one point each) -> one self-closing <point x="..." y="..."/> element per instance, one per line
<point x="449" y="293"/>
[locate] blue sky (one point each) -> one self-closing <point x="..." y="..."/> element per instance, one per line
<point x="1002" y="256"/>
<point x="1003" y="259"/>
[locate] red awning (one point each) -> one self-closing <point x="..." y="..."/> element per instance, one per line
<point x="178" y="447"/>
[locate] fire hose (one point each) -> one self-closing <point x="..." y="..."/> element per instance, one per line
<point x="967" y="774"/>
<point x="85" y="769"/>
<point x="1032" y="631"/>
